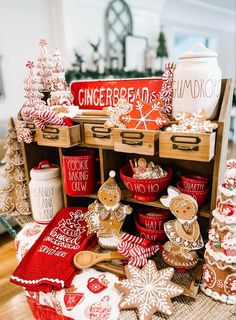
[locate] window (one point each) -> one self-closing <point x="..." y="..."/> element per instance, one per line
<point x="118" y="26"/>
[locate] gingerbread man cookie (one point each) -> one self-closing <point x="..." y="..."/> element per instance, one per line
<point x="183" y="232"/>
<point x="106" y="218"/>
<point x="122" y="107"/>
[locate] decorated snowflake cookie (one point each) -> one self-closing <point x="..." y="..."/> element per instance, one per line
<point x="148" y="290"/>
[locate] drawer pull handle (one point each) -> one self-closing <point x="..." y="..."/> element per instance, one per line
<point x="130" y="143"/>
<point x="185" y="148"/>
<point x="48" y="136"/>
<point x="186" y="139"/>
<point x="101" y="137"/>
<point x="94" y="129"/>
<point x="51" y="130"/>
<point x="128" y="134"/>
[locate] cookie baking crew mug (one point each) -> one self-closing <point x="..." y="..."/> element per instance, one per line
<point x="45" y="192"/>
<point x="197" y="82"/>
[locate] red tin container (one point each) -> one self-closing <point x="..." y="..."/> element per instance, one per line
<point x="194" y="182"/>
<point x="149" y="234"/>
<point x="153" y="218"/>
<point x="200" y="196"/>
<point x="79" y="172"/>
<point x="96" y="94"/>
<point x="144" y="189"/>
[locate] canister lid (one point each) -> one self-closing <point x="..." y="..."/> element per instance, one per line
<point x="45" y="170"/>
<point x="198" y="50"/>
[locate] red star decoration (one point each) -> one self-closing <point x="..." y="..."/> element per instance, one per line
<point x="145" y="116"/>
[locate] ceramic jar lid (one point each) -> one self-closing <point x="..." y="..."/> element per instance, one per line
<point x="198" y="50"/>
<point x="45" y="170"/>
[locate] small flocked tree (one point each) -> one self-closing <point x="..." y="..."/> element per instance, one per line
<point x="162" y="51"/>
<point x="44" y="66"/>
<point x="60" y="95"/>
<point x="32" y="95"/>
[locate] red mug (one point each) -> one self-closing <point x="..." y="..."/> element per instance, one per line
<point x="95" y="285"/>
<point x="79" y="172"/>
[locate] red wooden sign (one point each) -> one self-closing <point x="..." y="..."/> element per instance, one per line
<point x="97" y="94"/>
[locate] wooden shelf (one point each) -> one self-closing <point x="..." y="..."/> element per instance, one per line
<point x="110" y="159"/>
<point x="126" y="196"/>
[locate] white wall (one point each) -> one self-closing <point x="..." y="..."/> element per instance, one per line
<point x="195" y="17"/>
<point x="22" y="24"/>
<point x="69" y="24"/>
<point x="84" y="20"/>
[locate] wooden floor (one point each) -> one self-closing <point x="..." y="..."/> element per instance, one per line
<point x="13" y="305"/>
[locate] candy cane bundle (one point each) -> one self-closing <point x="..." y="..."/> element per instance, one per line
<point x="166" y="93"/>
<point x="50" y="117"/>
<point x="136" y="249"/>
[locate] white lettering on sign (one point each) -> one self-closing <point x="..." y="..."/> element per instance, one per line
<point x="109" y="96"/>
<point x="201" y="88"/>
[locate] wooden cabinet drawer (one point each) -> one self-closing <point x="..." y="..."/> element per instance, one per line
<point x="58" y="136"/>
<point x="136" y="141"/>
<point x="96" y="134"/>
<point x="187" y="146"/>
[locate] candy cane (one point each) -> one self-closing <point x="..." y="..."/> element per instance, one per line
<point x="124" y="247"/>
<point x="27" y="113"/>
<point x="137" y="251"/>
<point x="130" y="238"/>
<point x="50" y="117"/>
<point x="138" y="262"/>
<point x="39" y="124"/>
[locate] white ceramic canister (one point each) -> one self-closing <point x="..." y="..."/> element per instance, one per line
<point x="197" y="82"/>
<point x="45" y="192"/>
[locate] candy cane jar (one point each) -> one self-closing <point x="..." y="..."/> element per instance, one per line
<point x="45" y="192"/>
<point x="197" y="82"/>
